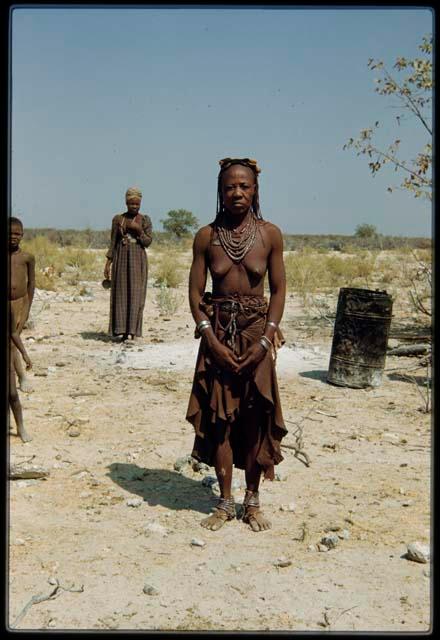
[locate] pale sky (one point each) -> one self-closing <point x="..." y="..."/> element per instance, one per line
<point x="109" y="97"/>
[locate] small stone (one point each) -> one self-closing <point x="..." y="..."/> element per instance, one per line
<point x="332" y="527"/>
<point x="52" y="623"/>
<point x="149" y="590"/>
<point x="196" y="542"/>
<point x="51" y="369"/>
<point x="182" y="462"/>
<point x="74" y="432"/>
<point x="19" y="542"/>
<point x="282" y="562"/>
<point x="418" y="552"/>
<point x="344" y="534"/>
<point x="198" y="466"/>
<point x="311" y="547"/>
<point x="280" y="477"/>
<point x="330" y="541"/>
<point x="52" y="580"/>
<point x="288" y="507"/>
<point x="134" y="502"/>
<point x="322" y="547"/>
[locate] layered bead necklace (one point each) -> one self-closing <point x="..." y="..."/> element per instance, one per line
<point x="237" y="244"/>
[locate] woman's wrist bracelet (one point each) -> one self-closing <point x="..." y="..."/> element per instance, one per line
<point x="202" y="325"/>
<point x="265" y="342"/>
<point x="272" y="324"/>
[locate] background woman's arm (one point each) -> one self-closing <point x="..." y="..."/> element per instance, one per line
<point x="146" y="235"/>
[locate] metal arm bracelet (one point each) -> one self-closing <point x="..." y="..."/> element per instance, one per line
<point x="202" y="325"/>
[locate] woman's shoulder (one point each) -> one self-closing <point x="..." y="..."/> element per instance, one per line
<point x="203" y="235"/>
<point x="269" y="227"/>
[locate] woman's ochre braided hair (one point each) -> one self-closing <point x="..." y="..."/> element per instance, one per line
<point x="245" y="162"/>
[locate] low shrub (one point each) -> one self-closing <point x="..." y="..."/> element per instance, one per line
<point x="167" y="301"/>
<point x="166" y="269"/>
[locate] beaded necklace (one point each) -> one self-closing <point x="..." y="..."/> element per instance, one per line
<point x="237" y="244"/>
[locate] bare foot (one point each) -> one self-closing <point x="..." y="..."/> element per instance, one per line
<point x="25" y="385"/>
<point x="215" y="520"/>
<point x="255" y="518"/>
<point x="24" y="435"/>
<point x="224" y="511"/>
<point x="252" y="514"/>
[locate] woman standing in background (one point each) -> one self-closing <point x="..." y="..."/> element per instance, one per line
<point x="131" y="234"/>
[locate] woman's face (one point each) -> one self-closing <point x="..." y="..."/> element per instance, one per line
<point x="133" y="205"/>
<point x="238" y="189"/>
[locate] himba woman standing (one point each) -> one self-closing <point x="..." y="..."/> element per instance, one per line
<point x="234" y="404"/>
<point x="131" y="234"/>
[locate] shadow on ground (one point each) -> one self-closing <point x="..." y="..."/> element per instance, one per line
<point x="315" y="374"/>
<point x="420" y="381"/>
<point x="162" y="486"/>
<point x="98" y="335"/>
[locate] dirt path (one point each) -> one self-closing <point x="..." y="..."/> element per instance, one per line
<point x="114" y="522"/>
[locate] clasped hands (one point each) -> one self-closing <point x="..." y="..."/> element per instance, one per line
<point x="133" y="226"/>
<point x="226" y="359"/>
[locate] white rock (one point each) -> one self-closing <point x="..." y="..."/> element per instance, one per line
<point x="196" y="542"/>
<point x="19" y="542"/>
<point x="322" y="547"/>
<point x="344" y="534"/>
<point x="282" y="562"/>
<point x="288" y="507"/>
<point x="134" y="502"/>
<point x="149" y="590"/>
<point x="418" y="552"/>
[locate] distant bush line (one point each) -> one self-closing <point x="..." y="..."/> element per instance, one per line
<point x="94" y="239"/>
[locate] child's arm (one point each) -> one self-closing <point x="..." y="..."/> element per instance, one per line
<point x="15" y="337"/>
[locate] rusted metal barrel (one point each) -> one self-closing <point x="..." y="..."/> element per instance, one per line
<point x="360" y="337"/>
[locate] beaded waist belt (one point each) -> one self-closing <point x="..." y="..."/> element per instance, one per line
<point x="237" y="305"/>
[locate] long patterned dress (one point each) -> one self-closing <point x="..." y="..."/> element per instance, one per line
<point x="129" y="275"/>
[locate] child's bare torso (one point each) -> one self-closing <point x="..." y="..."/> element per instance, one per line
<point x="19" y="275"/>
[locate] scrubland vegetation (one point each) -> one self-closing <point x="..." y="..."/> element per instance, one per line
<point x="315" y="265"/>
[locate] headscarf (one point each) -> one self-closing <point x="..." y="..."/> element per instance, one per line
<point x="133" y="192"/>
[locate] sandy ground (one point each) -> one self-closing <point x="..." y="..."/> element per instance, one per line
<point x="113" y="532"/>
